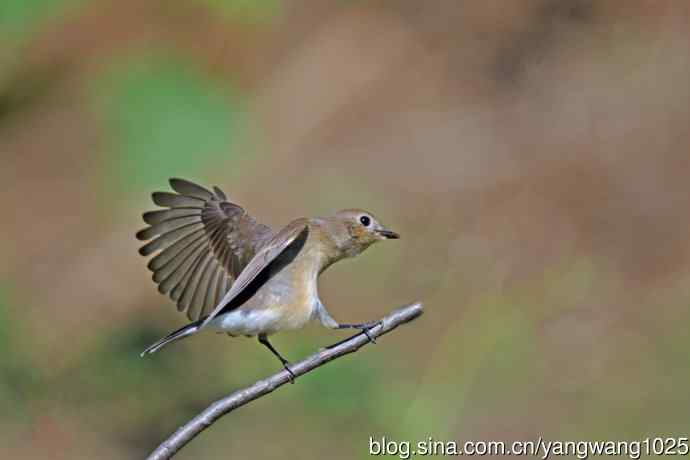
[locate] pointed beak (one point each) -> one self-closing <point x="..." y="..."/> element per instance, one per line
<point x="388" y="234"/>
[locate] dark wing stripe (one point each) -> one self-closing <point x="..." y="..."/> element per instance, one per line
<point x="184" y="187"/>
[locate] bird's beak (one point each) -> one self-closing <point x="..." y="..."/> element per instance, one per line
<point x="388" y="234"/>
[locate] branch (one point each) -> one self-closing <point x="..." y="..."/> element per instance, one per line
<point x="261" y="388"/>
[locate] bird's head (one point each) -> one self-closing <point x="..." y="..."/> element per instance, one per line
<point x="359" y="230"/>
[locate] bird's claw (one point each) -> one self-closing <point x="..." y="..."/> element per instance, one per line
<point x="367" y="326"/>
<point x="364" y="329"/>
<point x="291" y="375"/>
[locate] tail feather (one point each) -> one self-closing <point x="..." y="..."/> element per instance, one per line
<point x="181" y="333"/>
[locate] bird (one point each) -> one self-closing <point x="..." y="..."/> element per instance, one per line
<point x="231" y="274"/>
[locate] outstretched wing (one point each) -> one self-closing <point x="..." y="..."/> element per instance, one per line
<point x="204" y="242"/>
<point x="294" y="235"/>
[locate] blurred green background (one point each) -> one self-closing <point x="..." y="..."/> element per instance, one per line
<point x="534" y="155"/>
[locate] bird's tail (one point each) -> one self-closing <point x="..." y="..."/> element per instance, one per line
<point x="181" y="333"/>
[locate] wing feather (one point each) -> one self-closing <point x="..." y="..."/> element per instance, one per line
<point x="169" y="238"/>
<point x="162" y="215"/>
<point x="195" y="291"/>
<point x="193" y="281"/>
<point x="166" y="226"/>
<point x="178" y="266"/>
<point x="171" y="200"/>
<point x="184" y="187"/>
<point x="201" y="243"/>
<point x="175" y="250"/>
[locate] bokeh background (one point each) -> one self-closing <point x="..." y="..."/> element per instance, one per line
<point x="535" y="156"/>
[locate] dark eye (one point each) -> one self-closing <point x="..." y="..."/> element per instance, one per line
<point x="365" y="220"/>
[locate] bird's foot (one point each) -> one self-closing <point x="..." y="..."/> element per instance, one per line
<point x="368" y="326"/>
<point x="291" y="375"/>
<point x="364" y="327"/>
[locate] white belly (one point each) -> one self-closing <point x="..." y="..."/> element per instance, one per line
<point x="267" y="321"/>
<point x="247" y="322"/>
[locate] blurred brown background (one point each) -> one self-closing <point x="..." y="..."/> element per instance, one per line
<point x="534" y="155"/>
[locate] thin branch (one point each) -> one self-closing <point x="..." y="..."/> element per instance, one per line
<point x="261" y="388"/>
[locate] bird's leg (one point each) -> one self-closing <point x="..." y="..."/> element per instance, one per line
<point x="263" y="339"/>
<point x="328" y="321"/>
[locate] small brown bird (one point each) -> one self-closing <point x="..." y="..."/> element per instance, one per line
<point x="231" y="274"/>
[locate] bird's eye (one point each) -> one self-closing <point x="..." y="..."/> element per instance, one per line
<point x="365" y="220"/>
